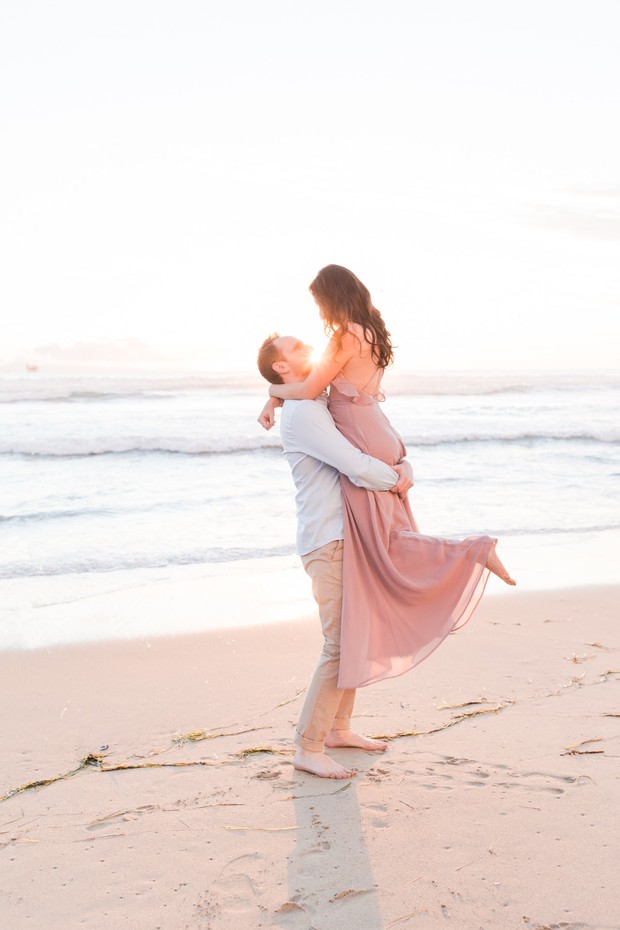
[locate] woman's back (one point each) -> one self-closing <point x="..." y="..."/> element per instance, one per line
<point x="361" y="369"/>
<point x="354" y="397"/>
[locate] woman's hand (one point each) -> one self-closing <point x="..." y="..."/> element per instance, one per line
<point x="267" y="416"/>
<point x="405" y="478"/>
<point x="322" y="373"/>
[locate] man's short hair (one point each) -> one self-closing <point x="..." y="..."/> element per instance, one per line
<point x="267" y="355"/>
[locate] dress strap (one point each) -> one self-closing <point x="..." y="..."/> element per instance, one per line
<point x="379" y="372"/>
<point x="357" y="395"/>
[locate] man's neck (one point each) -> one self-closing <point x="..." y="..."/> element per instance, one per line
<point x="294" y="377"/>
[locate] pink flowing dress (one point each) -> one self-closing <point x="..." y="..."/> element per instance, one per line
<point x="403" y="592"/>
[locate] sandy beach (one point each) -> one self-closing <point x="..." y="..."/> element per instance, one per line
<point x="493" y="806"/>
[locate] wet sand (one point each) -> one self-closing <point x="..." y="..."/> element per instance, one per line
<point x="493" y="806"/>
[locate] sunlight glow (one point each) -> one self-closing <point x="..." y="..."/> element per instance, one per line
<point x="157" y="210"/>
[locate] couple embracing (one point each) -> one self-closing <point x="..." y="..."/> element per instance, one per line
<point x="387" y="594"/>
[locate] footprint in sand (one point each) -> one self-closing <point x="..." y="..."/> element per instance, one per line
<point x="112" y="820"/>
<point x="236" y="891"/>
<point x="306" y="861"/>
<point x="540" y="781"/>
<point x="377" y="815"/>
<point x="474" y="774"/>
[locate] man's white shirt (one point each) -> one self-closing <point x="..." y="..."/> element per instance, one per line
<point x="318" y="453"/>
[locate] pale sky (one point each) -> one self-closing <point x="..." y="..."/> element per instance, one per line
<point x="173" y="174"/>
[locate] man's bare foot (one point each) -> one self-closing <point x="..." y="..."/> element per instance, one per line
<point x="495" y="565"/>
<point x="347" y="739"/>
<point x="317" y="763"/>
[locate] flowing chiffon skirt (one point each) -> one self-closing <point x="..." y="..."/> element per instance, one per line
<point x="403" y="592"/>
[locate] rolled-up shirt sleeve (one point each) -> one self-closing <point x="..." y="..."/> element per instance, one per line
<point x="313" y="432"/>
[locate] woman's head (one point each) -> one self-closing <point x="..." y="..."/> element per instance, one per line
<point x="342" y="299"/>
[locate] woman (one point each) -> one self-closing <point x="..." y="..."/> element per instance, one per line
<point x="403" y="592"/>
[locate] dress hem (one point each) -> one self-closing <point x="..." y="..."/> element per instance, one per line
<point x="469" y="608"/>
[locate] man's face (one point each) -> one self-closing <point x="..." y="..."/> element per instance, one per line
<point x="297" y="355"/>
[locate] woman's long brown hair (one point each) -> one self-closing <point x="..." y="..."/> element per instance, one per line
<point x="343" y="299"/>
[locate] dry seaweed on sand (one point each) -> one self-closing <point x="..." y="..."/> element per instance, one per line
<point x="458" y="719"/>
<point x="126" y="766"/>
<point x="252" y="750"/>
<point x="399" y="920"/>
<point x="604" y="648"/>
<point x="584" y="742"/>
<point x="97" y="761"/>
<point x="458" y="706"/>
<point x="287" y="907"/>
<point x="350" y="893"/>
<point x="92" y="759"/>
<point x="281" y="704"/>
<point x="197" y="735"/>
<point x="323" y="794"/>
<point x="263" y="829"/>
<point x="574" y="750"/>
<point x="577" y="681"/>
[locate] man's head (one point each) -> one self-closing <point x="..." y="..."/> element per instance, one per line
<point x="283" y="359"/>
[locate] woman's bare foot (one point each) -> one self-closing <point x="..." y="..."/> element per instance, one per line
<point x="495" y="565"/>
<point x="317" y="763"/>
<point x="347" y="739"/>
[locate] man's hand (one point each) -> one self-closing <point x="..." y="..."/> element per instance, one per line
<point x="267" y="416"/>
<point x="405" y="478"/>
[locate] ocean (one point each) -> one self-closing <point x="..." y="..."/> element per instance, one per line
<point x="116" y="482"/>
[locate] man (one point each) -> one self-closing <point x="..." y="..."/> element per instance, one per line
<point x="318" y="454"/>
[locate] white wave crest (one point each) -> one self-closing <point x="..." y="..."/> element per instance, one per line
<point x="97" y="388"/>
<point x="65" y="446"/>
<point x="83" y="388"/>
<point x="61" y="446"/>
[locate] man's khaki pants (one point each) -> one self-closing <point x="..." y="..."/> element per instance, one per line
<point x="326" y="706"/>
